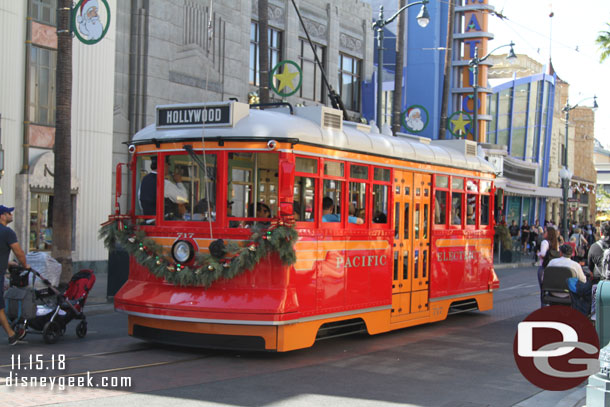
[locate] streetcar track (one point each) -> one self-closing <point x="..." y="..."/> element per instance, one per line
<point x="125" y="368"/>
<point x="120" y="369"/>
<point x="92" y="355"/>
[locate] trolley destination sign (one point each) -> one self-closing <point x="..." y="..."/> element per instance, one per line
<point x="193" y="115"/>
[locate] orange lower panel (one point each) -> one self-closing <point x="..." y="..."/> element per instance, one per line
<point x="282" y="338"/>
<point x="268" y="333"/>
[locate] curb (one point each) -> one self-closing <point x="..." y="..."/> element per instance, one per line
<point x="503" y="266"/>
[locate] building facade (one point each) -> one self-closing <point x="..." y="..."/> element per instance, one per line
<point x="28" y="40"/>
<point x="182" y="51"/>
<point x="520" y="145"/>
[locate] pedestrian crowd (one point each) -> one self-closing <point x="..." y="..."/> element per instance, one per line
<point x="585" y="250"/>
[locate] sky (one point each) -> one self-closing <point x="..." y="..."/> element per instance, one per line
<point x="569" y="36"/>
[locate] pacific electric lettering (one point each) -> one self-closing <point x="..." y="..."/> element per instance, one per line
<point x="361" y="261"/>
<point x="461" y="255"/>
<point x="194" y="116"/>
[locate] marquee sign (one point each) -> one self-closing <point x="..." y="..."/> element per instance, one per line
<point x="194" y="115"/>
<point x="476" y="14"/>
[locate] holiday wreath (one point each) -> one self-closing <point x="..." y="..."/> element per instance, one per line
<point x="225" y="261"/>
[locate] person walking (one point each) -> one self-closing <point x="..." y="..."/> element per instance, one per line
<point x="549" y="249"/>
<point x="595" y="261"/>
<point x="8" y="242"/>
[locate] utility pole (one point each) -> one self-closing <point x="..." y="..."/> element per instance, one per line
<point x="62" y="201"/>
<point x="398" y="71"/>
<point x="263" y="50"/>
<point x="447" y="74"/>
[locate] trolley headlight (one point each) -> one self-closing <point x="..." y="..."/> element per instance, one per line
<point x="183" y="251"/>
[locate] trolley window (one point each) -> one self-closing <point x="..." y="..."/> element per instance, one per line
<point x="440" y="199"/>
<point x="381" y="192"/>
<point x="485" y="188"/>
<point x="357" y="194"/>
<point x="457" y="198"/>
<point x="305" y="189"/>
<point x="253" y="178"/>
<point x="146" y="185"/>
<point x="308" y="165"/>
<point x="332" y="191"/>
<point x="472" y="190"/>
<point x="304" y="199"/>
<point x="189" y="191"/>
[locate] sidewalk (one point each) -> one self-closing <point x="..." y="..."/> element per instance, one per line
<point x="97" y="302"/>
<point x="569" y="398"/>
<point x="524" y="264"/>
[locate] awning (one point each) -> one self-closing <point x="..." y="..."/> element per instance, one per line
<point x="511" y="187"/>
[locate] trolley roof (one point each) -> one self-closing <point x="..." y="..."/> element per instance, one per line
<point x="317" y="125"/>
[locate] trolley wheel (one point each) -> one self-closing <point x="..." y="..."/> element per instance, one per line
<point x="51" y="332"/>
<point x="81" y="329"/>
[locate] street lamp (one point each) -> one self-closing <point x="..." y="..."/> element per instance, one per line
<point x="423" y="18"/>
<point x="565" y="174"/>
<point x="474" y="64"/>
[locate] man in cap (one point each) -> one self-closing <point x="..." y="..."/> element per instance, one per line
<point x="8" y="242"/>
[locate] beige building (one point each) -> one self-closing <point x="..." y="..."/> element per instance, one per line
<point x="583" y="186"/>
<point x="28" y="41"/>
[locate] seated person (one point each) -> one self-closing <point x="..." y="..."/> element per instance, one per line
<point x="455" y="216"/>
<point x="565" y="261"/>
<point x="200" y="212"/>
<point x="175" y="194"/>
<point x="328" y="206"/>
<point x="262" y="211"/>
<point x="380" y="217"/>
<point x="470" y="215"/>
<point x="232" y="223"/>
<point x="352" y="218"/>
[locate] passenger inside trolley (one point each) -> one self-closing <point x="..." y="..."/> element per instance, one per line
<point x="175" y="193"/>
<point x="147" y="193"/>
<point x="328" y="206"/>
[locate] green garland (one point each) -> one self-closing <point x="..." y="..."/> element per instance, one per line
<point x="205" y="269"/>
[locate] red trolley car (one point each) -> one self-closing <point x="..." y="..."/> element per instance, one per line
<point x="393" y="231"/>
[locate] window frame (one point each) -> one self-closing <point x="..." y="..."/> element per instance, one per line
<point x="318" y="83"/>
<point x="317" y="192"/>
<point x="344" y="196"/>
<point x="476" y="195"/>
<point x="43" y="5"/>
<point x="367" y="194"/>
<point x="389" y="197"/>
<point x="462" y="205"/>
<point x="275" y="50"/>
<point x="447" y="191"/>
<point x="34" y="84"/>
<point x="356" y="72"/>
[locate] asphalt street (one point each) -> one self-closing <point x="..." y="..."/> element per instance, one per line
<point x="465" y="361"/>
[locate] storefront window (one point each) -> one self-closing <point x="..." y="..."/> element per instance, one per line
<point x="41" y="221"/>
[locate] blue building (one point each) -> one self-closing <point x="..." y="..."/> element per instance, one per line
<point x="519" y="144"/>
<point x="515" y="116"/>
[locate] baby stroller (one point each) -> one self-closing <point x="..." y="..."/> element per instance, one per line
<point x="47" y="311"/>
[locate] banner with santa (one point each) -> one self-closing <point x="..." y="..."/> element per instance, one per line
<point x="90" y="22"/>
